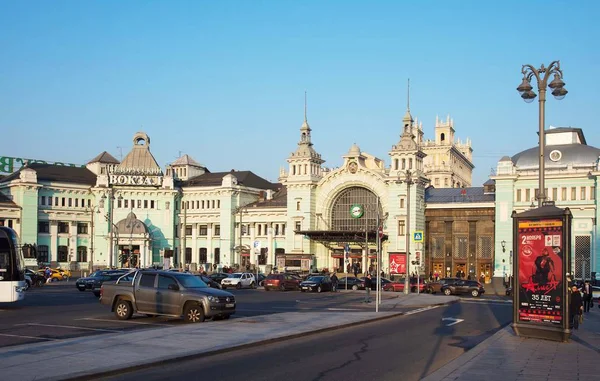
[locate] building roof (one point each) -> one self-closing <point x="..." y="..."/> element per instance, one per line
<point x="245" y="178"/>
<point x="57" y="173"/>
<point x="457" y="195"/>
<point x="7" y="201"/>
<point x="131" y="225"/>
<point x="575" y="154"/>
<point x="279" y="200"/>
<point x="105" y="158"/>
<point x="187" y="160"/>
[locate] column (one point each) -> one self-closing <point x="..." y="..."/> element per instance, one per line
<point x="194" y="244"/>
<point x="252" y="228"/>
<point x="210" y="255"/>
<point x="52" y="250"/>
<point x="72" y="242"/>
<point x="270" y="245"/>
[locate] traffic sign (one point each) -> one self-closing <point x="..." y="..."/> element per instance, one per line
<point x="418" y="236"/>
<point x="257" y="244"/>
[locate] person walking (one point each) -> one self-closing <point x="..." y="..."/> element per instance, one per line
<point x="368" y="285"/>
<point x="587" y="296"/>
<point x="334" y="282"/>
<point x="575" y="307"/>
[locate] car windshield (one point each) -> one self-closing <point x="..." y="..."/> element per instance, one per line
<point x="315" y="279"/>
<point x="235" y="276"/>
<point x="190" y="281"/>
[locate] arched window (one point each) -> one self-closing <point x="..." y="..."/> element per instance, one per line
<point x="340" y="213"/>
<point x="81" y="253"/>
<point x="442" y="137"/>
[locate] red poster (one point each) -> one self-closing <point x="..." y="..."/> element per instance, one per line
<point x="397" y="263"/>
<point x="540" y="258"/>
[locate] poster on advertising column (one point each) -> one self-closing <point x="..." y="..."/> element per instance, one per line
<point x="397" y="263"/>
<point x="540" y="278"/>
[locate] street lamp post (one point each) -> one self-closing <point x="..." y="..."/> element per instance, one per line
<point x="111" y="205"/>
<point x="409" y="181"/>
<point x="558" y="91"/>
<point x="92" y="210"/>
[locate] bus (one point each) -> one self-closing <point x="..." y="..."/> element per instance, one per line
<point x="12" y="269"/>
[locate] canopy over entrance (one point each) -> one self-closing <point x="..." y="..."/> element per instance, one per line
<point x="333" y="239"/>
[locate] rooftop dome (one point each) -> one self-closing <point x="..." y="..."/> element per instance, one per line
<point x="354" y="150"/>
<point x="564" y="154"/>
<point x="131" y="225"/>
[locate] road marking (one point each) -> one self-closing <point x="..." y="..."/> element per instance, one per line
<point x="343" y="309"/>
<point x="484" y="301"/>
<point x="453" y="320"/>
<point x="123" y="321"/>
<point x="71" y="327"/>
<point x="29" y="337"/>
<point x="418" y="310"/>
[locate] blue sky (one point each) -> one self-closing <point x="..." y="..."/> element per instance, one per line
<point x="224" y="81"/>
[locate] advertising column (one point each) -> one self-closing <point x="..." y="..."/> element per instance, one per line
<point x="542" y="247"/>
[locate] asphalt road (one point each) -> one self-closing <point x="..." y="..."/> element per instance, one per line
<point x="404" y="348"/>
<point x="59" y="311"/>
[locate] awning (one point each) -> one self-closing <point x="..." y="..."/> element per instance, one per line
<point x="336" y="238"/>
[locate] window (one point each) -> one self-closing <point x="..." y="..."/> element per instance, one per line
<point x="70" y="202"/>
<point x="203" y="255"/>
<point x="259" y="232"/>
<point x="202" y="204"/>
<point x="139" y="204"/>
<point x="583" y="189"/>
<point x="203" y="230"/>
<point x="126" y="204"/>
<point x="119" y="203"/>
<point x="49" y="201"/>
<point x="165" y="281"/>
<point x="592" y="193"/>
<point x="527" y="195"/>
<point x="282" y="229"/>
<point x="262" y="257"/>
<point x="217" y="230"/>
<point x="401" y="227"/>
<point x="43" y="227"/>
<point x="188" y="255"/>
<point x="410" y="163"/>
<point x="55" y="201"/>
<point x="63" y="202"/>
<point x="42" y="251"/>
<point x="77" y="203"/>
<point x="518" y="195"/>
<point x="218" y="203"/>
<point x="188" y="230"/>
<point x="63" y="227"/>
<point x="437" y="181"/>
<point x="147" y="280"/>
<point x="554" y="194"/>
<point x="298" y="227"/>
<point x="28" y="251"/>
<point x="82" y="228"/>
<point x="402" y="203"/>
<point x="217" y="255"/>
<point x="396" y="164"/>
<point x="43" y="200"/>
<point x="145" y="204"/>
<point x="573" y="193"/>
<point x="297" y="205"/>
<point x="403" y="163"/>
<point x="213" y="204"/>
<point x="89" y="204"/>
<point x="563" y="194"/>
<point x="81" y="254"/>
<point x="63" y="254"/>
<point x="151" y="204"/>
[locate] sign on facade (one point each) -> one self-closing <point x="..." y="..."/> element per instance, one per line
<point x="12" y="164"/>
<point x="397" y="263"/>
<point x="418" y="236"/>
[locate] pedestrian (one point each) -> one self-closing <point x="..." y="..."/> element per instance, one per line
<point x="334" y="282"/>
<point x="368" y="285"/>
<point x="587" y="296"/>
<point x="575" y="307"/>
<point x="355" y="269"/>
<point x="382" y="274"/>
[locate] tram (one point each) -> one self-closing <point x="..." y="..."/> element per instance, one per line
<point x="12" y="267"/>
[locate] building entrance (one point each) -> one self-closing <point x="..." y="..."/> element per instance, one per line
<point x="437" y="268"/>
<point x="460" y="270"/>
<point x="130" y="256"/>
<point x="485" y="273"/>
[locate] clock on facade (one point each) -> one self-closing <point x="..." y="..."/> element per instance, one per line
<point x="356" y="211"/>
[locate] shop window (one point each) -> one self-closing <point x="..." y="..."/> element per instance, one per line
<point x="217" y="255"/>
<point x="262" y="257"/>
<point x="188" y="255"/>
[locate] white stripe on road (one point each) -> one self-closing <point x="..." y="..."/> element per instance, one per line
<point x="483" y="301"/>
<point x="70" y="327"/>
<point x="29" y="337"/>
<point x="344" y="309"/>
<point x="123" y="321"/>
<point x="419" y="310"/>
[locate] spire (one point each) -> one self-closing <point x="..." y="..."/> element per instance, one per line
<point x="408" y="97"/>
<point x="407" y="121"/>
<point x="305" y="120"/>
<point x="305" y="129"/>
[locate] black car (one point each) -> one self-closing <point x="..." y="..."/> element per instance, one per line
<point x="384" y="281"/>
<point x="317" y="283"/>
<point x="218" y="277"/>
<point x="472" y="287"/>
<point x="37" y="279"/>
<point x="352" y="284"/>
<point x="95" y="280"/>
<point x="210" y="282"/>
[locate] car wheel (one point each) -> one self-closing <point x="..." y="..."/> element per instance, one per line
<point x="475" y="293"/>
<point x="282" y="287"/>
<point x="239" y="286"/>
<point x="252" y="285"/>
<point x="225" y="317"/>
<point x="447" y="291"/>
<point x="194" y="313"/>
<point x="355" y="287"/>
<point x="319" y="289"/>
<point x="123" y="309"/>
<point x="97" y="294"/>
<point x="81" y="289"/>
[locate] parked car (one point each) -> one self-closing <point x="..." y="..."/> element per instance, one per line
<point x="281" y="282"/>
<point x="109" y="277"/>
<point x="384" y="281"/>
<point x="353" y="283"/>
<point x="218" y="277"/>
<point x="261" y="279"/>
<point x="398" y="286"/>
<point x="462" y="286"/>
<point x="95" y="279"/>
<point x="317" y="283"/>
<point x="209" y="281"/>
<point x="37" y="279"/>
<point x="435" y="287"/>
<point x="239" y="280"/>
<point x="55" y="275"/>
<point x="153" y="292"/>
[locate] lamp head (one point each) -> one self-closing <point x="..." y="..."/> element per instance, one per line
<point x="528" y="96"/>
<point x="503" y="243"/>
<point x="556" y="83"/>
<point x="525" y="86"/>
<point x="559" y="93"/>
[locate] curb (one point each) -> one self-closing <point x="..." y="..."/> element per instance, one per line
<point x="463" y="359"/>
<point x="84" y="376"/>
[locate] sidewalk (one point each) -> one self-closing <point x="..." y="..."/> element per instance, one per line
<point x="79" y="358"/>
<point x="507" y="357"/>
